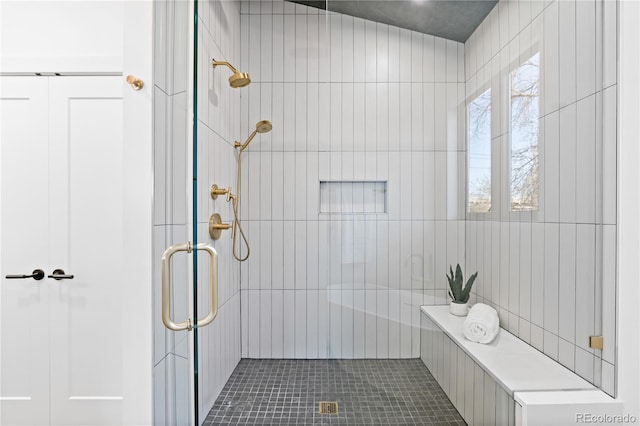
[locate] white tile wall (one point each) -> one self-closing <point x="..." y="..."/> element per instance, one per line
<point x="352" y="100"/>
<point x="552" y="273"/>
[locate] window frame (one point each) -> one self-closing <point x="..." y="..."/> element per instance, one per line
<point x="509" y="151"/>
<point x="476" y="94"/>
<point x="505" y="158"/>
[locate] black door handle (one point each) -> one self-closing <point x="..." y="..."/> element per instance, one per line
<point x="59" y="274"/>
<point x="37" y="275"/>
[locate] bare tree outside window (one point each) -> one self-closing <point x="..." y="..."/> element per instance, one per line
<point x="479" y="167"/>
<point x="525" y="99"/>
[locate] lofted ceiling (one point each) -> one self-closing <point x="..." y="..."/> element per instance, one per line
<point x="450" y="19"/>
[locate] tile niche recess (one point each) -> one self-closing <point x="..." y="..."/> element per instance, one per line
<point x="348" y="197"/>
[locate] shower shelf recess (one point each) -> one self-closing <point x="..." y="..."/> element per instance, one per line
<point x="347" y="197"/>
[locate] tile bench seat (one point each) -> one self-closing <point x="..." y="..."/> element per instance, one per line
<point x="482" y="380"/>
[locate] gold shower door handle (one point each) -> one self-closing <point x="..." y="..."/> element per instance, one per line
<point x="213" y="284"/>
<point x="166" y="286"/>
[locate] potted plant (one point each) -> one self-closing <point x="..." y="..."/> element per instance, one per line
<point x="459" y="294"/>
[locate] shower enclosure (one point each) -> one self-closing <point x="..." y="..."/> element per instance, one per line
<point x="359" y="198"/>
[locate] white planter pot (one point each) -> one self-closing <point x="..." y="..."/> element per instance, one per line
<point x="459" y="309"/>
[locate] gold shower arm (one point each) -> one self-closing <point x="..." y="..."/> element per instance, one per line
<point x="215" y="63"/>
<point x="238" y="79"/>
<point x="249" y="139"/>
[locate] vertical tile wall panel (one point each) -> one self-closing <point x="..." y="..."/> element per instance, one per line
<point x="478" y="395"/>
<point x="469" y="389"/>
<point x="609" y="293"/>
<point x="253" y="306"/>
<point x="567" y="51"/>
<point x="567" y="162"/>
<point x="489" y="409"/>
<point x="502" y="406"/>
<point x="568" y="282"/>
<point x="460" y="382"/>
<point x="277" y="323"/>
<point x="265" y="324"/>
<point x="453" y="371"/>
<point x="586" y="174"/>
<point x="514" y="268"/>
<point x="445" y="376"/>
<point x="288" y="324"/>
<point x="551" y="345"/>
<point x="585" y="285"/>
<point x="566" y="354"/>
<point x="586" y="47"/>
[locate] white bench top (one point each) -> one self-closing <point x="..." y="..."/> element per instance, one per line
<point x="512" y="363"/>
<point x="595" y="396"/>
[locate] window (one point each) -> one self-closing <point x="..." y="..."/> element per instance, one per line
<point x="479" y="162"/>
<point x="525" y="99"/>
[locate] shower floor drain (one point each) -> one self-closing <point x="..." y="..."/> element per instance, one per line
<point x="328" y="408"/>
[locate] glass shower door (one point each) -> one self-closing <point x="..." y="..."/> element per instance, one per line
<point x="175" y="231"/>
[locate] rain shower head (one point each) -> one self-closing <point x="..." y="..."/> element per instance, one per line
<point x="263" y="126"/>
<point x="238" y="79"/>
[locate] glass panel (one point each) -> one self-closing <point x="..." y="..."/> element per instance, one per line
<point x="525" y="99"/>
<point x="173" y="81"/>
<point x="230" y="101"/>
<point x="479" y="168"/>
<point x="196" y="294"/>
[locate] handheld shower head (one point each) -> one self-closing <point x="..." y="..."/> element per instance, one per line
<point x="263" y="126"/>
<point x="238" y="79"/>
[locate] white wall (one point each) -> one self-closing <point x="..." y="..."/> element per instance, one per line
<point x="349" y="100"/>
<point x="628" y="297"/>
<point x="552" y="274"/>
<point x="138" y="149"/>
<point x="61" y="36"/>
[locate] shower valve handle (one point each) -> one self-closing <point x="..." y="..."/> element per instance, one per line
<point x="215" y="191"/>
<point x="221" y="226"/>
<point x="216" y="226"/>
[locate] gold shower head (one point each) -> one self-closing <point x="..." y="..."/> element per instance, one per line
<point x="263" y="126"/>
<point x="238" y="79"/>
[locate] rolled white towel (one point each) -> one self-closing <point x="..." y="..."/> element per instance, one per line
<point x="482" y="324"/>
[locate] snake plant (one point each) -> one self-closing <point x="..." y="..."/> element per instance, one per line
<point x="458" y="293"/>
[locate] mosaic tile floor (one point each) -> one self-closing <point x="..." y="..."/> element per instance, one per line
<point x="368" y="392"/>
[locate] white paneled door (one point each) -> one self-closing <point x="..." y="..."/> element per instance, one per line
<point x="61" y="340"/>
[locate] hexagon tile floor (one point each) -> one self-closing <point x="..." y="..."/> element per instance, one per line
<point x="368" y="392"/>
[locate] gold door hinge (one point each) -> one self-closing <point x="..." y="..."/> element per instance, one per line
<point x="596" y="342"/>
